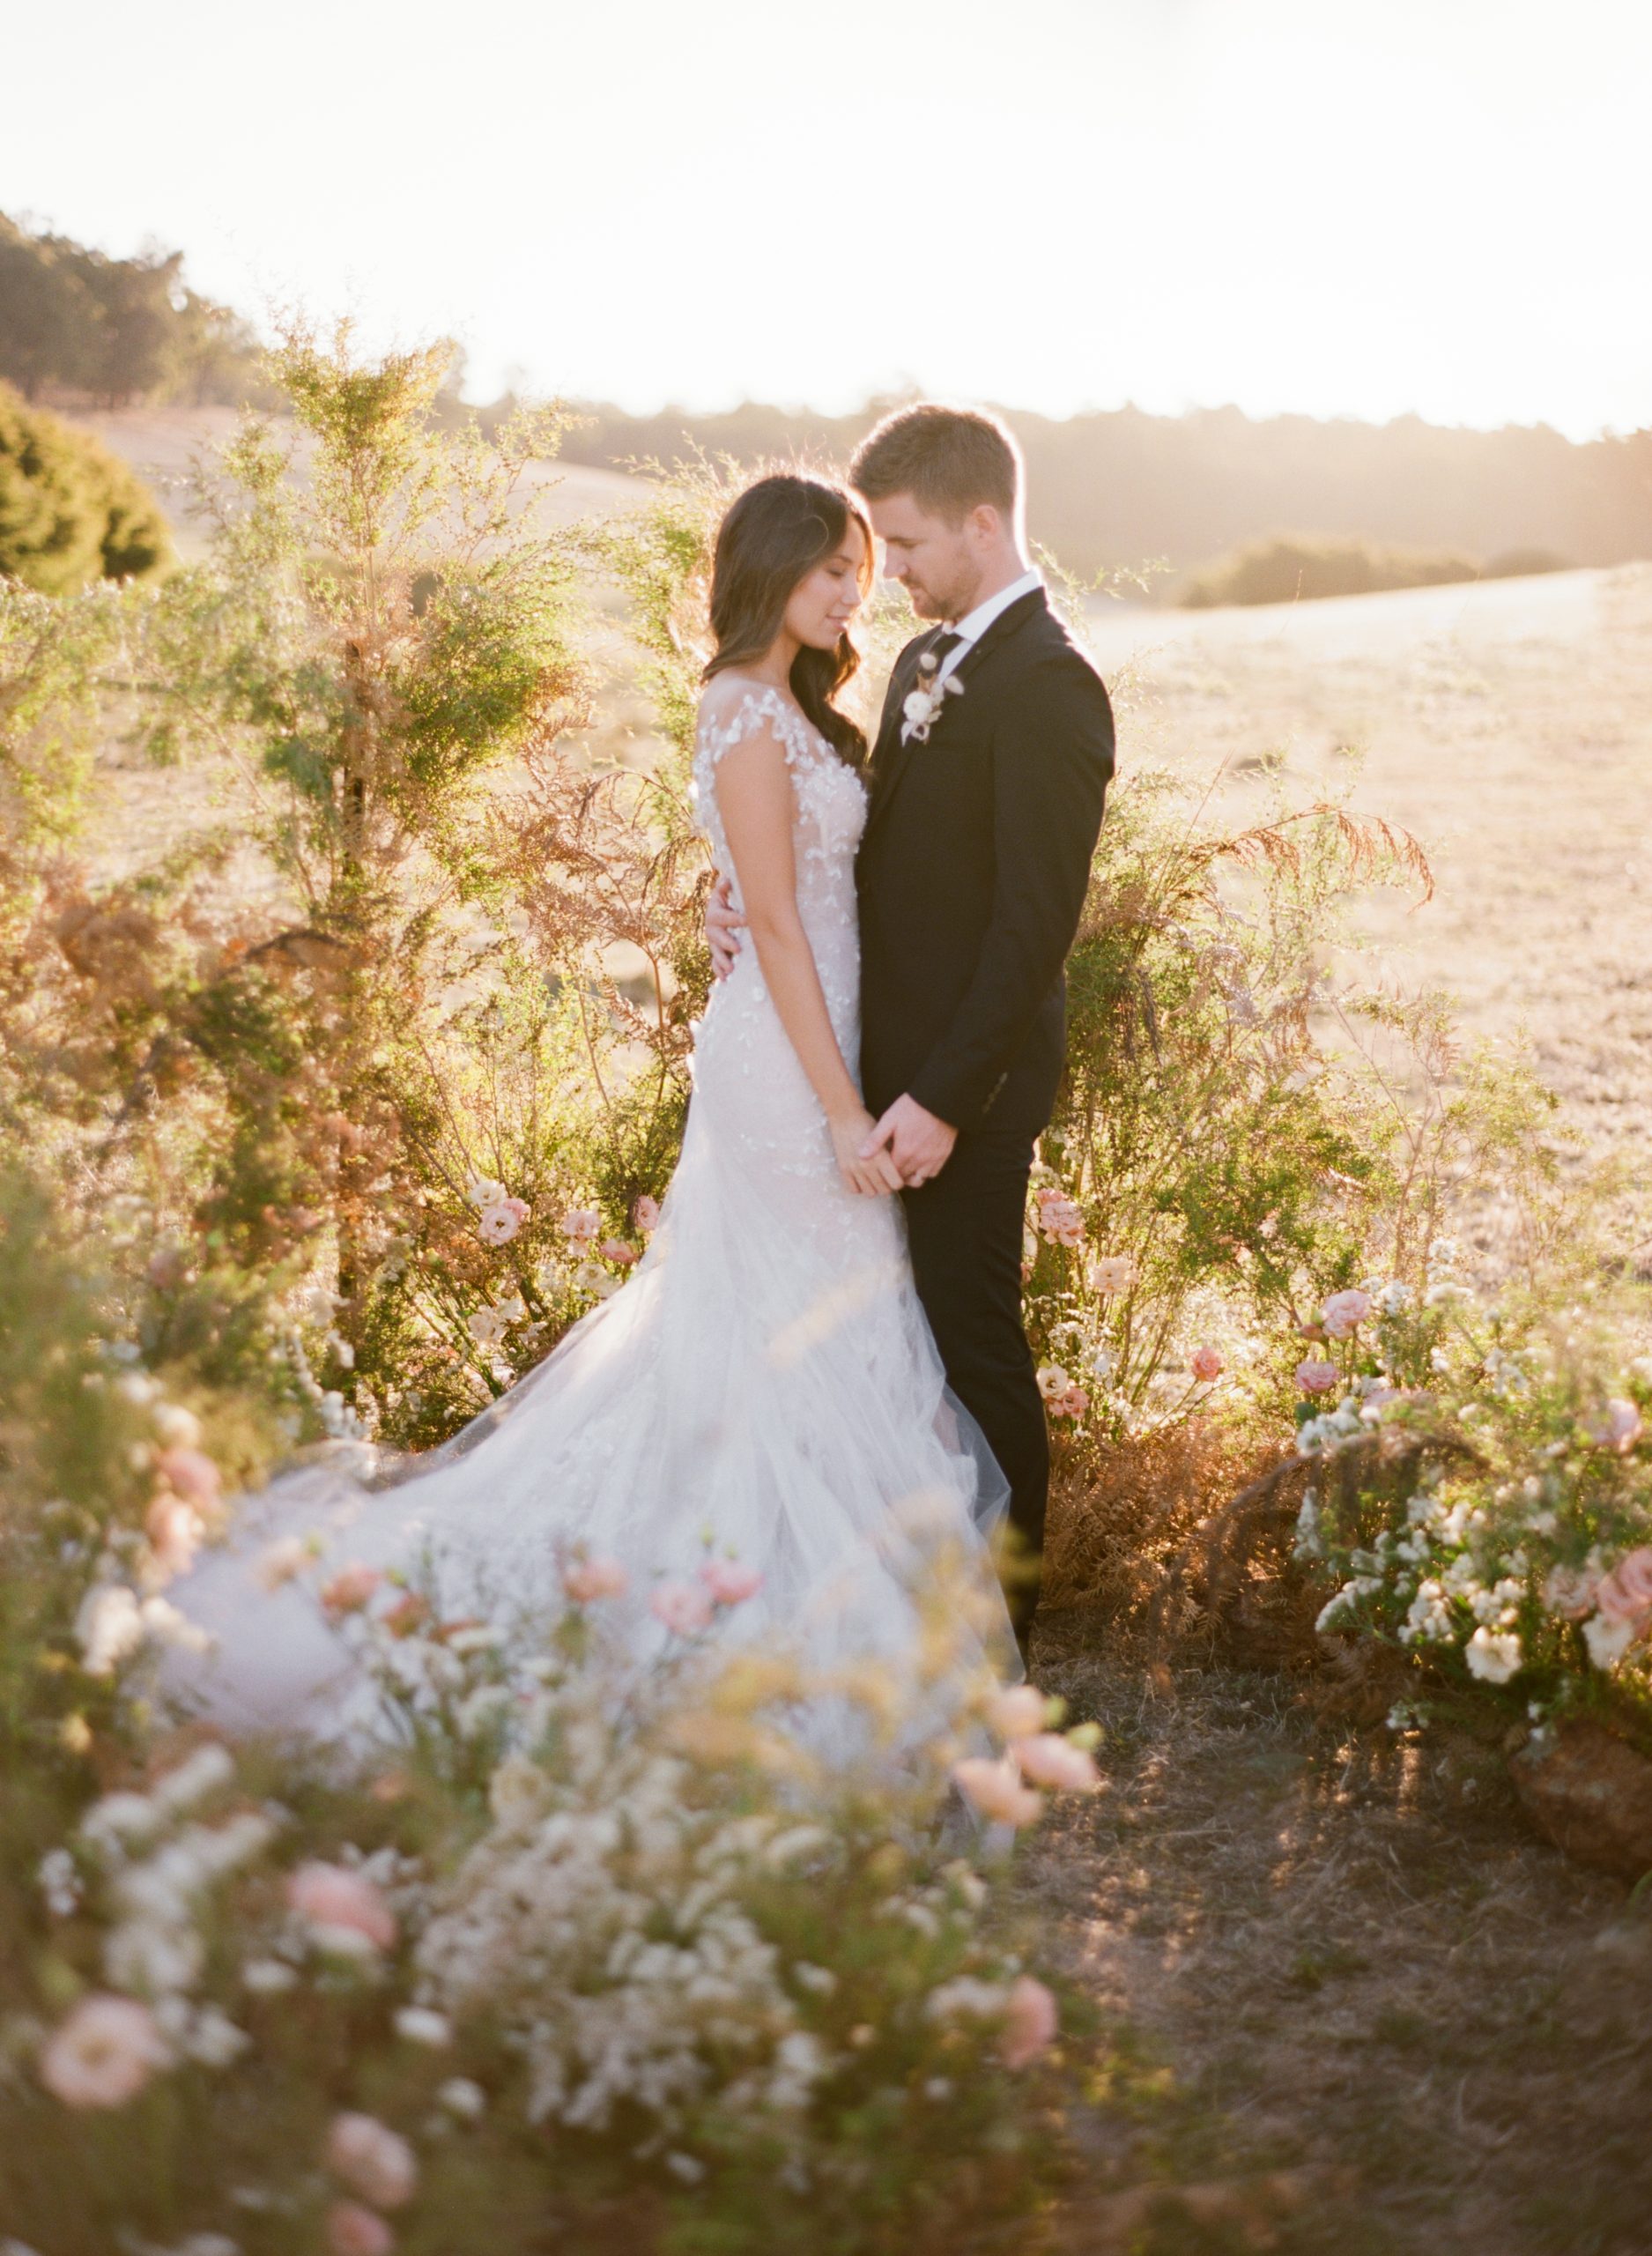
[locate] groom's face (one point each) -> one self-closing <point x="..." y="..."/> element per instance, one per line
<point x="939" y="564"/>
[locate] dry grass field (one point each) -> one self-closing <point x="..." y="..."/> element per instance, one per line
<point x="1372" y="2014"/>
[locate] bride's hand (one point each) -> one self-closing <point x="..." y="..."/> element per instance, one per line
<point x="871" y="1178"/>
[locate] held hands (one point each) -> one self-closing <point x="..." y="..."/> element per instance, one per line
<point x="723" y="924"/>
<point x="867" y="1171"/>
<point x="918" y="1144"/>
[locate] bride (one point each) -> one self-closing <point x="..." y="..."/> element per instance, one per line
<point x="763" y="1402"/>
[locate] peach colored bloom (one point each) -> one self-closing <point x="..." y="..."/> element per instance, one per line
<point x="190" y="1474"/>
<point x="1625" y="1593"/>
<point x="103" y="2053"/>
<point x="615" y="1249"/>
<point x="1017" y="1712"/>
<point x="1344" y="1312"/>
<point x="410" y="1612"/>
<point x="350" y="1588"/>
<point x="352" y="2231"/>
<point x="996" y="1788"/>
<point x="499" y="1222"/>
<point x="371" y="2160"/>
<point x="684" y="1609"/>
<point x="1115" y="1272"/>
<point x="333" y="1896"/>
<point x="1073" y="1404"/>
<point x="1621" y="1429"/>
<point x="582" y="1225"/>
<point x="1316" y="1378"/>
<point x="1570" y="1592"/>
<point x="175" y="1530"/>
<point x="587" y="1579"/>
<point x="1031" y="2022"/>
<point x="1060" y="1218"/>
<point x="1049" y="1760"/>
<point x="729" y="1583"/>
<point x="1207" y="1365"/>
<point x="645" y="1214"/>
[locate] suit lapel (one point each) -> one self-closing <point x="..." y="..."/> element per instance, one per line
<point x="892" y="758"/>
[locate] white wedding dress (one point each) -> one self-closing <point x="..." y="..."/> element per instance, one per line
<point x="765" y="1385"/>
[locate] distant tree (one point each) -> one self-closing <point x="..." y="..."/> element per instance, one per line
<point x="70" y="513"/>
<point x="48" y="320"/>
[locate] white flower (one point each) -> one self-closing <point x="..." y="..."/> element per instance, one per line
<point x="267" y="1977"/>
<point x="213" y="2039"/>
<point x="109" y="1626"/>
<point x="461" y="2098"/>
<point x="1493" y="1656"/>
<point x="421" y="2025"/>
<point x="1607" y="1640"/>
<point x="59" y="1883"/>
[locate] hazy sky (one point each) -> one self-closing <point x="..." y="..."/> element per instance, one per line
<point x="1341" y="208"/>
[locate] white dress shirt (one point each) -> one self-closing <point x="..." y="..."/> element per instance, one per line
<point x="974" y="624"/>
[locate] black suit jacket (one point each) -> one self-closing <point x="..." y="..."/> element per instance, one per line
<point x="972" y="875"/>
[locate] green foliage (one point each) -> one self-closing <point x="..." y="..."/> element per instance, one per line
<point x="70" y="513"/>
<point x="115" y="329"/>
<point x="1293" y="568"/>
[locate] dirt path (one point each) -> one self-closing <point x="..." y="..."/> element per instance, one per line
<point x="1366" y="2011"/>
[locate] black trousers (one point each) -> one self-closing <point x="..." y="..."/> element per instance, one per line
<point x="965" y="1228"/>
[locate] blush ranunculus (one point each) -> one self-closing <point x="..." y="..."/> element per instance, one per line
<point x="1030" y="2023"/>
<point x="1114" y="1273"/>
<point x="683" y="1608"/>
<point x="499" y="1222"/>
<point x="1316" y="1377"/>
<point x="352" y="2231"/>
<point x="175" y="1532"/>
<point x="1620" y="1428"/>
<point x="1344" y="1312"/>
<point x="333" y="1896"/>
<point x="586" y="1580"/>
<point x="190" y="1474"/>
<point x="996" y="1790"/>
<point x="582" y="1226"/>
<point x="1207" y="1364"/>
<point x="615" y="1249"/>
<point x="1049" y="1760"/>
<point x="645" y="1214"/>
<point x="104" y="2054"/>
<point x="350" y="1589"/>
<point x="1017" y="1712"/>
<point x="728" y="1583"/>
<point x="1625" y="1593"/>
<point x="372" y="2159"/>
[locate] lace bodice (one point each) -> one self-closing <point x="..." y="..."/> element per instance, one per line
<point x="829" y="800"/>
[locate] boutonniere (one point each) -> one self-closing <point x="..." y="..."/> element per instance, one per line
<point x="923" y="705"/>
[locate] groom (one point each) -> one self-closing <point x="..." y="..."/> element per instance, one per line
<point x="989" y="778"/>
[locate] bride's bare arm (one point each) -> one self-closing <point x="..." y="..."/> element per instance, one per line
<point x="754" y="799"/>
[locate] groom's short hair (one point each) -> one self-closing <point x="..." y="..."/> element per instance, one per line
<point x="950" y="460"/>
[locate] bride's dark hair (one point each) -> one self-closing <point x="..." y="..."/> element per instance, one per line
<point x="772" y="539"/>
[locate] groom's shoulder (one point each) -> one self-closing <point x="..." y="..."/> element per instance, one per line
<point x="1048" y="647"/>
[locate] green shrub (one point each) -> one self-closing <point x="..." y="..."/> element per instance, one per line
<point x="70" y="513"/>
<point x="1292" y="568"/>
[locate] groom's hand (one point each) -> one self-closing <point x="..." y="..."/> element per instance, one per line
<point x="919" y="1144"/>
<point x="723" y="923"/>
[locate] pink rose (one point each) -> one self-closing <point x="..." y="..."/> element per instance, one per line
<point x="586" y="1580"/>
<point x="645" y="1214"/>
<point x="501" y="1222"/>
<point x="350" y="1588"/>
<point x="1207" y="1365"/>
<point x="582" y="1226"/>
<point x="352" y="2231"/>
<point x="1031" y="2022"/>
<point x="683" y="1608"/>
<point x="996" y="1790"/>
<point x="1049" y="1760"/>
<point x="1621" y="1427"/>
<point x="1570" y="1592"/>
<point x="1344" y="1313"/>
<point x="190" y="1474"/>
<point x="174" y="1529"/>
<point x="615" y="1249"/>
<point x="333" y="1896"/>
<point x="728" y="1583"/>
<point x="1316" y="1378"/>
<point x="1625" y="1593"/>
<point x="1018" y="1712"/>
<point x="371" y="2160"/>
<point x="103" y="2053"/>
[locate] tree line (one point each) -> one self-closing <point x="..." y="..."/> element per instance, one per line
<point x="76" y="325"/>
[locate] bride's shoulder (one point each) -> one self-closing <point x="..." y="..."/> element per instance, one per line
<point x="734" y="707"/>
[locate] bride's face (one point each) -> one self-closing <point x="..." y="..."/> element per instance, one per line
<point x="823" y="603"/>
